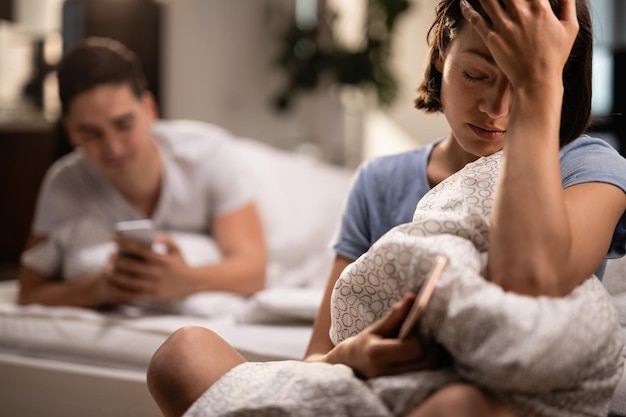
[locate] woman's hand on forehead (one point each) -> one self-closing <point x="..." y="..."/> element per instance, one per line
<point x="527" y="40"/>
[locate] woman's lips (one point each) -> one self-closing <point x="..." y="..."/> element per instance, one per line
<point x="487" y="133"/>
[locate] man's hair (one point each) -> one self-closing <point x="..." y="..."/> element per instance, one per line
<point x="576" y="109"/>
<point x="98" y="61"/>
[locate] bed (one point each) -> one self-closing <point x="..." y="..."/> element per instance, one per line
<point x="76" y="362"/>
<point x="71" y="361"/>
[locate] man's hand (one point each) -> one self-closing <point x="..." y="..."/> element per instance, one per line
<point x="150" y="275"/>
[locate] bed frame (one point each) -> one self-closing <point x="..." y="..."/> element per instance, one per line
<point x="45" y="387"/>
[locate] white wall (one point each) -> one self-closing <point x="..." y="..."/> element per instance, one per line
<point x="410" y="51"/>
<point x="218" y="68"/>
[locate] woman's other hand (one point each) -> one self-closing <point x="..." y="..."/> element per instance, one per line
<point x="377" y="351"/>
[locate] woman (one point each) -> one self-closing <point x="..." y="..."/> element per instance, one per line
<point x="510" y="76"/>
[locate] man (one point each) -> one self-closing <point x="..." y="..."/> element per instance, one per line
<point x="127" y="165"/>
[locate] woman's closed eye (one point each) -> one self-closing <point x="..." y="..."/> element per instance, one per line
<point x="474" y="77"/>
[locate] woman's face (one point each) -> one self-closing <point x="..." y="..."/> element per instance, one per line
<point x="475" y="94"/>
<point x="113" y="127"/>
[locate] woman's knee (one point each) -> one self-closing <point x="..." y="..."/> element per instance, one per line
<point x="166" y="363"/>
<point x="174" y="368"/>
<point x="187" y="364"/>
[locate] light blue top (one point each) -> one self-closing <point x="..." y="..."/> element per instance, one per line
<point x="590" y="159"/>
<point x="386" y="190"/>
<point x="384" y="194"/>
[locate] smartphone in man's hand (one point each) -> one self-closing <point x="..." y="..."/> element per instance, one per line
<point x="141" y="231"/>
<point x="423" y="297"/>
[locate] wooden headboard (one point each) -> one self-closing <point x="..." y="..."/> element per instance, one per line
<point x="26" y="152"/>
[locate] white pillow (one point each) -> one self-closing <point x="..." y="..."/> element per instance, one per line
<point x="282" y="305"/>
<point x="300" y="200"/>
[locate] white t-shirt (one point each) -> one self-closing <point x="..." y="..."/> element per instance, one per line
<point x="77" y="207"/>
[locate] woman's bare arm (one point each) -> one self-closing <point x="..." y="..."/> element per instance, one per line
<point x="543" y="239"/>
<point x="320" y="343"/>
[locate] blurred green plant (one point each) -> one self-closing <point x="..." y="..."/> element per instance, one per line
<point x="309" y="54"/>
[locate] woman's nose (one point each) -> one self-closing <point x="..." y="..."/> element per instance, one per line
<point x="496" y="100"/>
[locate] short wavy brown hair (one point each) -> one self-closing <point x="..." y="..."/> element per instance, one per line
<point x="576" y="109"/>
<point x="97" y="61"/>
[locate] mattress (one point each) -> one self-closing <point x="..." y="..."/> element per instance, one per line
<point x="127" y="338"/>
<point x="66" y="361"/>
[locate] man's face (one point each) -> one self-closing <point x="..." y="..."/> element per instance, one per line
<point x="113" y="127"/>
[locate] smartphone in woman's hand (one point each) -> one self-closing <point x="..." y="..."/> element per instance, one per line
<point x="423" y="297"/>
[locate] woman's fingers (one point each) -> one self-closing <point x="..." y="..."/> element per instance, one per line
<point x="389" y="325"/>
<point x="470" y="14"/>
<point x="394" y="356"/>
<point x="568" y="11"/>
<point x="432" y="357"/>
<point x="496" y="10"/>
<point x="476" y="20"/>
<point x="569" y="17"/>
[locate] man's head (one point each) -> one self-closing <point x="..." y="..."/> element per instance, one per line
<point x="107" y="110"/>
<point x="95" y="62"/>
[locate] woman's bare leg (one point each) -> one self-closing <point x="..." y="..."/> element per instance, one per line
<point x="187" y="364"/>
<point x="462" y="400"/>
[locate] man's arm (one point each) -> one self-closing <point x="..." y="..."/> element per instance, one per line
<point x="166" y="275"/>
<point x="36" y="288"/>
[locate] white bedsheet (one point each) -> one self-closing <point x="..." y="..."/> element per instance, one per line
<point x="127" y="338"/>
